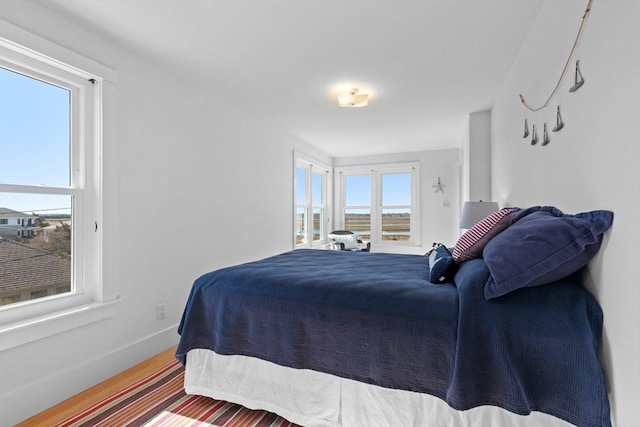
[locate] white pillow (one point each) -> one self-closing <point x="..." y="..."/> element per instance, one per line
<point x="350" y="240"/>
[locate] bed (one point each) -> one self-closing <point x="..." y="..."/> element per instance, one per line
<point x="334" y="338"/>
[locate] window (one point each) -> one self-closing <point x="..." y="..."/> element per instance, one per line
<point x="357" y="206"/>
<point x="311" y="196"/>
<point x="50" y="176"/>
<point x="380" y="202"/>
<point x="395" y="215"/>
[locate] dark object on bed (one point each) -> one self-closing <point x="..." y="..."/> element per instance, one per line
<point x="442" y="266"/>
<point x="384" y="323"/>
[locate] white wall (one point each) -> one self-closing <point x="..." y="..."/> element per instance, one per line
<point x="590" y="164"/>
<point x="192" y="183"/>
<point x="439" y="211"/>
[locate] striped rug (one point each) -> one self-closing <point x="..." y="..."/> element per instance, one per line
<point x="159" y="400"/>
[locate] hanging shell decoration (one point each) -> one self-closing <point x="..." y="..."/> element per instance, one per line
<point x="534" y="135"/>
<point x="578" y="80"/>
<point x="545" y="135"/>
<point x="559" y="123"/>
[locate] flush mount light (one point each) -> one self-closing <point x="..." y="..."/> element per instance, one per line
<point x="353" y="99"/>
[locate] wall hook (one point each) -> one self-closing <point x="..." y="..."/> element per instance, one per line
<point x="526" y="129"/>
<point x="559" y="124"/>
<point x="578" y="79"/>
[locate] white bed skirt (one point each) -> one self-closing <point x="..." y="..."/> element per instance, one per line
<point x="315" y="399"/>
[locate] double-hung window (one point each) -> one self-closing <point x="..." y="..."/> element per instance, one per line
<point x="380" y="202"/>
<point x="357" y="207"/>
<point x="311" y="185"/>
<point x="50" y="187"/>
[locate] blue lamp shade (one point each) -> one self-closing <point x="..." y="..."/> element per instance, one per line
<point x="472" y="212"/>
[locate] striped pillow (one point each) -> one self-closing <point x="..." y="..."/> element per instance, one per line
<point x="472" y="242"/>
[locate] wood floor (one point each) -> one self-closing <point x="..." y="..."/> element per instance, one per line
<point x="87" y="398"/>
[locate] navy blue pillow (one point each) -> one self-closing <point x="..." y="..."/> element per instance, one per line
<point x="542" y="247"/>
<point x="442" y="266"/>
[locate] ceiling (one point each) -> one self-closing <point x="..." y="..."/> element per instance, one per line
<point x="427" y="64"/>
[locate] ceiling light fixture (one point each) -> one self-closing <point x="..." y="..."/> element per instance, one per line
<point x="353" y="99"/>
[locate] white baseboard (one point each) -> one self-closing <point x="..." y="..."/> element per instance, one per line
<point x="37" y="396"/>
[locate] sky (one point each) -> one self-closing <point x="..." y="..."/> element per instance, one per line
<point x="396" y="189"/>
<point x="34" y="141"/>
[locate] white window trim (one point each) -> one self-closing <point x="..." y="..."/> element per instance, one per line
<point x="375" y="170"/>
<point x="33" y="320"/>
<point x="315" y="166"/>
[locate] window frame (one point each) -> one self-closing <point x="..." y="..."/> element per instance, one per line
<point x="375" y="171"/>
<point x="312" y="166"/>
<point x="90" y="301"/>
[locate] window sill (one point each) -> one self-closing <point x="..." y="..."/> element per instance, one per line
<point x="398" y="249"/>
<point x="20" y="333"/>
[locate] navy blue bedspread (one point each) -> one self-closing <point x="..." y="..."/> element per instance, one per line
<point x="375" y="318"/>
